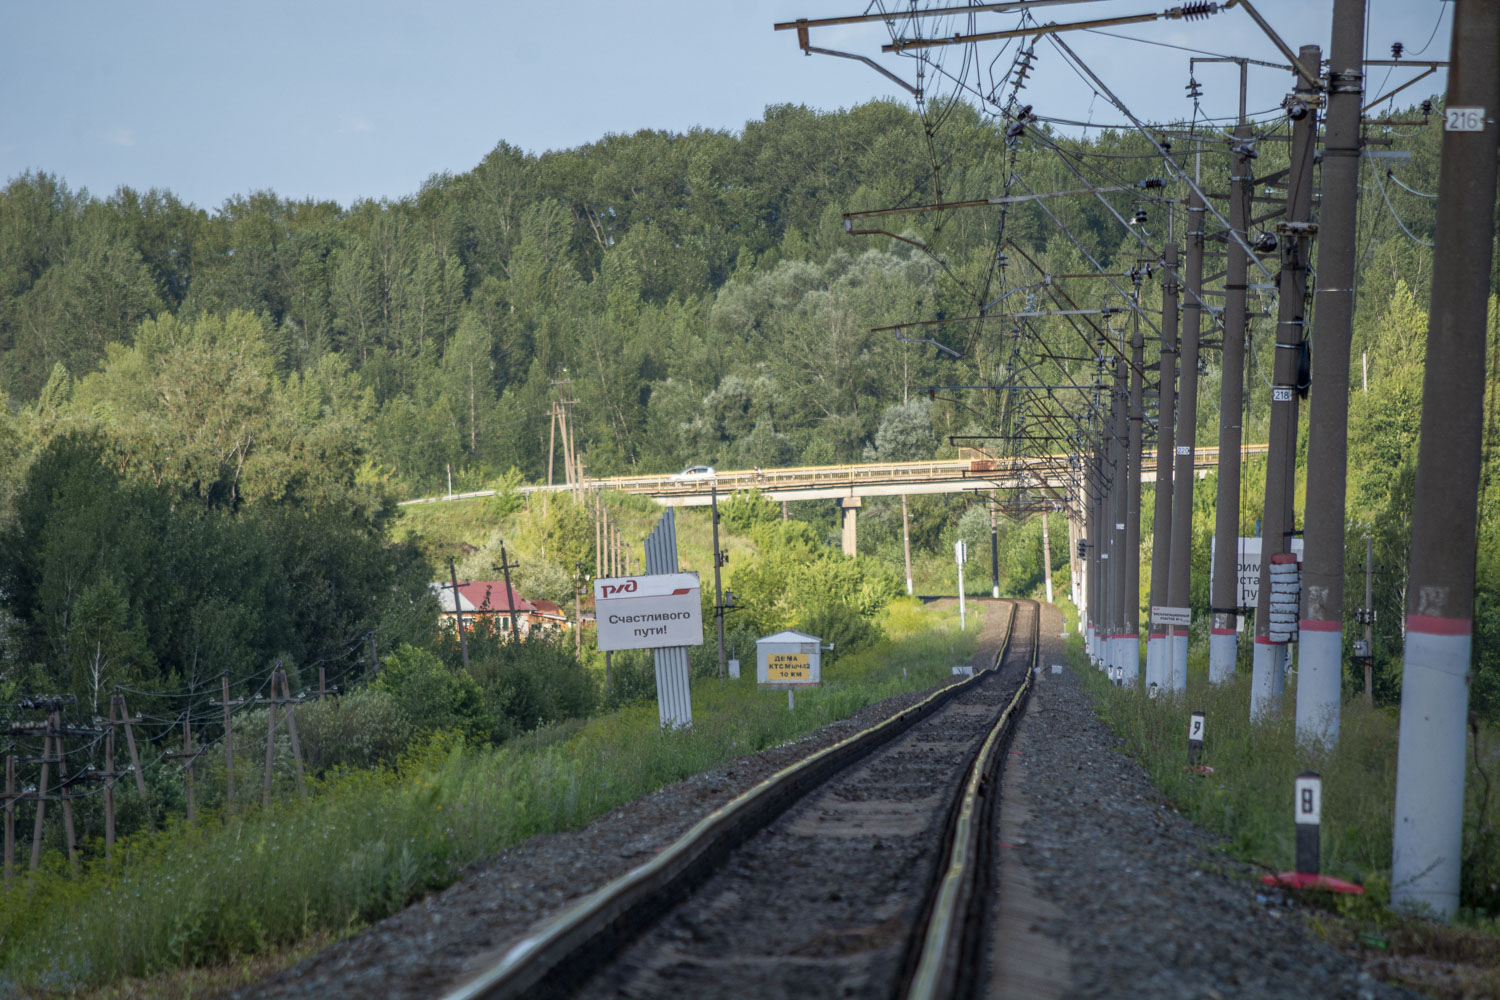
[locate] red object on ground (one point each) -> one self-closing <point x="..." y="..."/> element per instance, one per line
<point x="1306" y="880"/>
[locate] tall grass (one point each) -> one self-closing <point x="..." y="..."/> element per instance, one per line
<point x="1248" y="797"/>
<point x="367" y="843"/>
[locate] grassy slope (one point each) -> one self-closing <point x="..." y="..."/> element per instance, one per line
<point x="214" y="893"/>
<point x="1248" y="800"/>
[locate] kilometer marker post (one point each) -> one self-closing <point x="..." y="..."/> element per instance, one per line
<point x="1307" y="813"/>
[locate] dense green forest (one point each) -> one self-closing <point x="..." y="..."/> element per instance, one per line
<point x="209" y="413"/>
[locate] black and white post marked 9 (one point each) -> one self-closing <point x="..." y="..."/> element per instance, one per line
<point x="1195" y="737"/>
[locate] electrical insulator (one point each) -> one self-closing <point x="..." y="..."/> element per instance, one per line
<point x="1194" y="89"/>
<point x="1140" y="215"/>
<point x="1427" y="107"/>
<point x="1194" y="11"/>
<point x="1396" y="49"/>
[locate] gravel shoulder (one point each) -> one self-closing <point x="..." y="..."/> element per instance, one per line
<point x="1127" y="897"/>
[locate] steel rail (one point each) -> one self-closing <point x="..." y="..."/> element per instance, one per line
<point x="612" y="913"/>
<point x="947" y="957"/>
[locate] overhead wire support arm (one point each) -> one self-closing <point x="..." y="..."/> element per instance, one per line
<point x="1265" y="26"/>
<point x="1189" y="11"/>
<point x="802" y="24"/>
<point x="1171" y="164"/>
<point x="1431" y="69"/>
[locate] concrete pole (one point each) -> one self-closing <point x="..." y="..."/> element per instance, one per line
<point x="1075" y="568"/>
<point x="1119" y="517"/>
<point x="713" y="500"/>
<point x="1179" y="572"/>
<point x="1268" y="678"/>
<point x="1157" y="654"/>
<point x="906" y="542"/>
<point x="1428" y="842"/>
<point x="1369" y="621"/>
<point x="1320" y="669"/>
<point x="1094" y="552"/>
<point x="1046" y="560"/>
<point x="1224" y="596"/>
<point x="995" y="551"/>
<point x="1130" y="640"/>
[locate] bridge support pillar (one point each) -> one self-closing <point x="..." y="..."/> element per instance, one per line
<point x="850" y="506"/>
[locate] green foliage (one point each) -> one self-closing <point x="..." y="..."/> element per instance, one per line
<point x="1244" y="798"/>
<point x="842" y="627"/>
<point x="796" y="572"/>
<point x="365" y="728"/>
<point x="431" y="697"/>
<point x="529" y="684"/>
<point x="370" y="841"/>
<point x="746" y="510"/>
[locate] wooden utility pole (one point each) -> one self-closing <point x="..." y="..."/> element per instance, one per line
<point x="578" y="605"/>
<point x="291" y="726"/>
<point x="228" y="745"/>
<point x="265" y="794"/>
<point x="598" y="541"/>
<point x="135" y="758"/>
<point x="10" y="811"/>
<point x="458" y="611"/>
<point x="109" y="787"/>
<point x="510" y="598"/>
<point x="187" y="756"/>
<point x="1427" y="848"/>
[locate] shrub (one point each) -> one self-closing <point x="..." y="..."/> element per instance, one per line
<point x="364" y="728"/>
<point x="743" y="511"/>
<point x="530" y="683"/>
<point x="632" y="678"/>
<point x="846" y="629"/>
<point x="432" y="697"/>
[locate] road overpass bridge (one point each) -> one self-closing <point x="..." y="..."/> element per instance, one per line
<point x="1034" y="482"/>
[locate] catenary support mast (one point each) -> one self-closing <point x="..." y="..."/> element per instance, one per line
<point x="1320" y="670"/>
<point x="1161" y="523"/>
<point x="1428" y="843"/>
<point x="1224" y="595"/>
<point x="1272" y="634"/>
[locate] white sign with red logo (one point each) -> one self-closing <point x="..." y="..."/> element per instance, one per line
<point x="649" y="612"/>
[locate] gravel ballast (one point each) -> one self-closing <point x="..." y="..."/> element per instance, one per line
<point x="1136" y="900"/>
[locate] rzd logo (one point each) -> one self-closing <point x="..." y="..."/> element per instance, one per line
<point x="616" y="589"/>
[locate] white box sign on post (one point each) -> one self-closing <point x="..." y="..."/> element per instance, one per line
<point x="788" y="659"/>
<point x="649" y="612"/>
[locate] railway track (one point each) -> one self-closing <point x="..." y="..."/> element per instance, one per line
<point x="861" y="871"/>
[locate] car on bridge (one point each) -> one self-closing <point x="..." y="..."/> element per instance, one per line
<point x="695" y="473"/>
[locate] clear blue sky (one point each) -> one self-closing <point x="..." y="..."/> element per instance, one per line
<point x="345" y="99"/>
